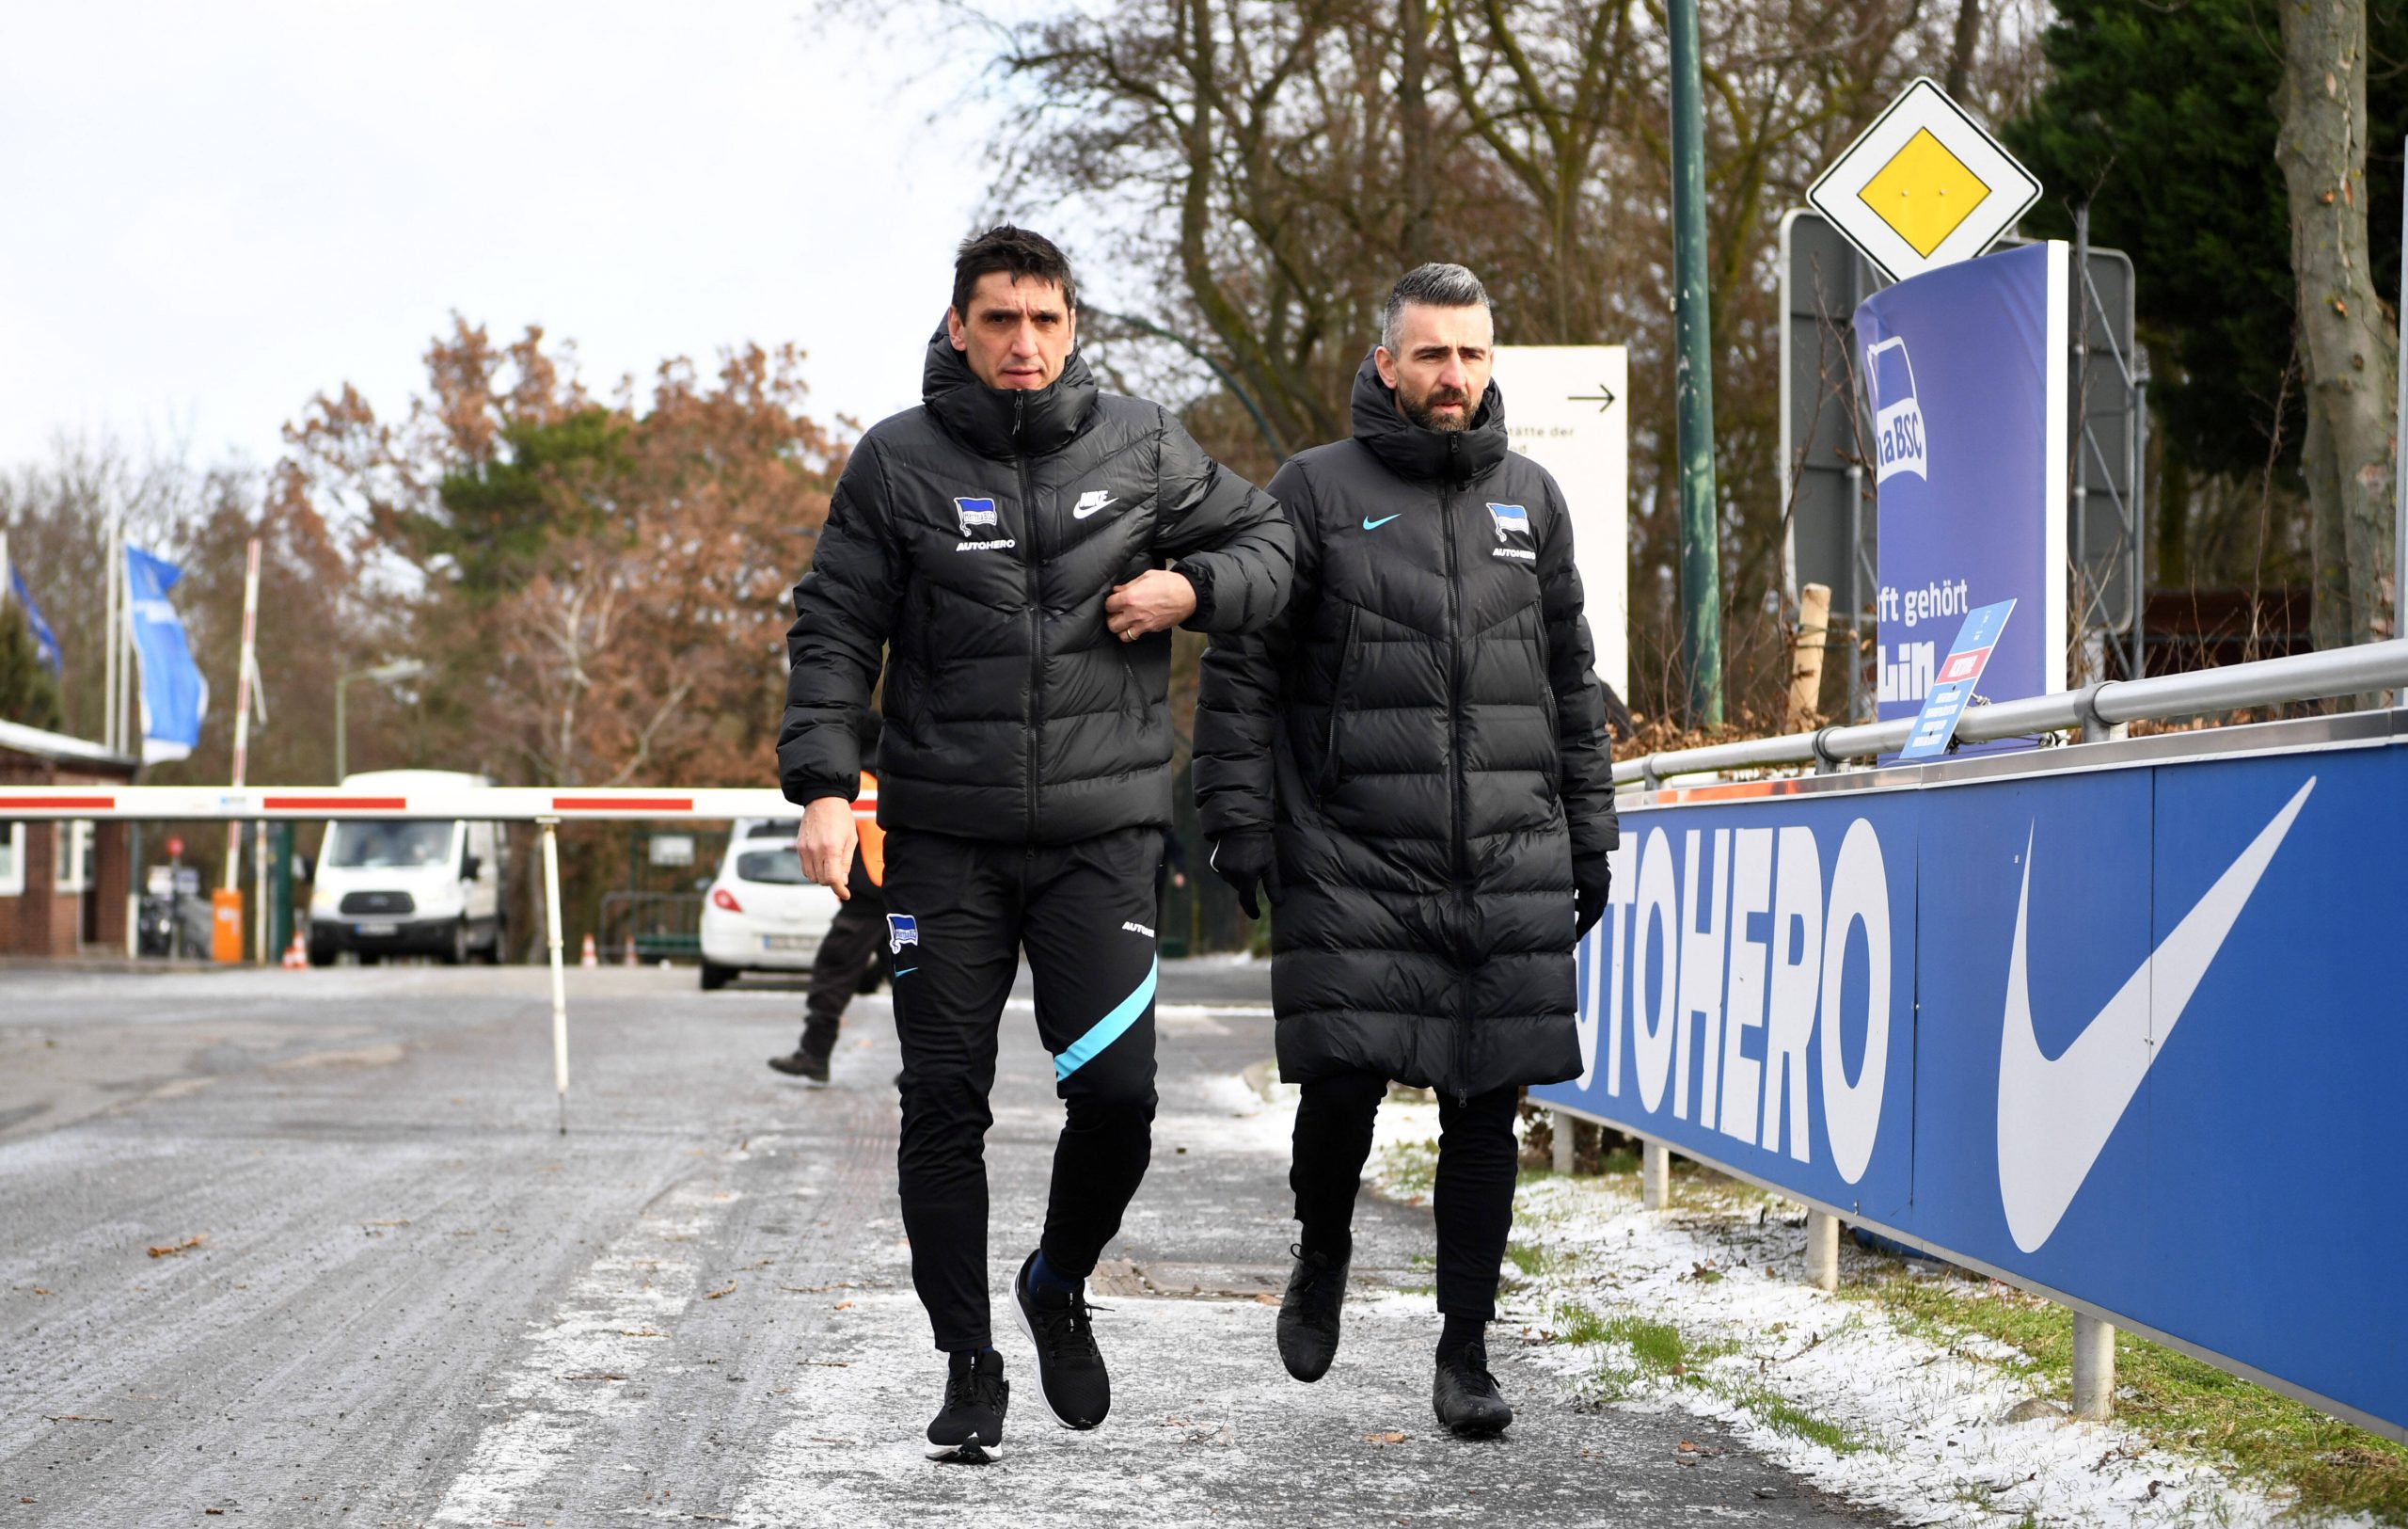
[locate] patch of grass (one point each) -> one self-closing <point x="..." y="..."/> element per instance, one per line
<point x="1660" y="1348"/>
<point x="1531" y="1259"/>
<point x="1623" y="1162"/>
<point x="1579" y="1325"/>
<point x="2173" y="1400"/>
<point x="1784" y="1416"/>
<point x="1413" y="1166"/>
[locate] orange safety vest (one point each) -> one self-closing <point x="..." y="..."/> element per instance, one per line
<point x="873" y="836"/>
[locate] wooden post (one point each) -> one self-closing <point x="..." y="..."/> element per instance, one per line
<point x="1806" y="667"/>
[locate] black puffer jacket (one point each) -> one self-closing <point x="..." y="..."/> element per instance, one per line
<point x="978" y="536"/>
<point x="1421" y="730"/>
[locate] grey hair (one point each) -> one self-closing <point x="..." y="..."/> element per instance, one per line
<point x="1436" y="285"/>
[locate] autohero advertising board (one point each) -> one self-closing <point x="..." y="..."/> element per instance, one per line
<point x="2129" y="1036"/>
<point x="1565" y="410"/>
<point x="1964" y="371"/>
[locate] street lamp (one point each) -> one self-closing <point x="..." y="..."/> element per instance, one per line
<point x="384" y="674"/>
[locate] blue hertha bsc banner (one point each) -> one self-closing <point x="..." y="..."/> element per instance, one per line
<point x="1964" y="374"/>
<point x="174" y="695"/>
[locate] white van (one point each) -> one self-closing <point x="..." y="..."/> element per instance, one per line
<point x="390" y="886"/>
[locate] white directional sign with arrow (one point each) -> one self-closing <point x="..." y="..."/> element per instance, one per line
<point x="1566" y="409"/>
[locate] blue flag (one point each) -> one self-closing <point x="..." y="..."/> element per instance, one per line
<point x="174" y="695"/>
<point x="45" y="641"/>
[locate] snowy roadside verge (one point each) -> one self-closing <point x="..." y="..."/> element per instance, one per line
<point x="1704" y="1307"/>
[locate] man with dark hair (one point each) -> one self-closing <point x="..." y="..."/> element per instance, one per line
<point x="1411" y="760"/>
<point x="1015" y="551"/>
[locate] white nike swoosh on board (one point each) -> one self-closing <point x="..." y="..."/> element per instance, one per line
<point x="2054" y="1117"/>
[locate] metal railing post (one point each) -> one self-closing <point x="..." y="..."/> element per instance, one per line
<point x="1654" y="1176"/>
<point x="1822" y="1250"/>
<point x="2094" y="1368"/>
<point x="560" y="978"/>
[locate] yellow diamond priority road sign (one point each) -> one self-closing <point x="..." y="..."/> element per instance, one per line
<point x="1923" y="186"/>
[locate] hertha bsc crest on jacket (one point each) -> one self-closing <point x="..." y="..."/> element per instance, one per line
<point x="1511" y="519"/>
<point x="901" y="930"/>
<point x="976" y="512"/>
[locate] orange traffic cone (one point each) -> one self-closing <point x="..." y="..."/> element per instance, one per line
<point x="297" y="958"/>
<point x="588" y="957"/>
<point x="627" y="952"/>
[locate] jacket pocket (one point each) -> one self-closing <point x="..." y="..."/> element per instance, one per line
<point x="1340" y="689"/>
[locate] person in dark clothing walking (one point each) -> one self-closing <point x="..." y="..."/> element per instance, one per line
<point x="1015" y="551"/>
<point x="848" y="951"/>
<point x="1411" y="761"/>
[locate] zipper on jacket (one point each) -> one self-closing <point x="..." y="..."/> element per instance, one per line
<point x="1035" y="608"/>
<point x="1456" y="784"/>
<point x="1337" y="699"/>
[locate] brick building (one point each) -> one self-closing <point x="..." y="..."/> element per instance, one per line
<point x="62" y="884"/>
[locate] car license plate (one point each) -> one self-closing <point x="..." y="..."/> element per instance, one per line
<point x="785" y="941"/>
<point x="376" y="931"/>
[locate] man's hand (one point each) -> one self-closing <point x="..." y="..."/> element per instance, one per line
<point x="826" y="842"/>
<point x="1591" y="885"/>
<point x="1249" y="862"/>
<point x="1155" y="600"/>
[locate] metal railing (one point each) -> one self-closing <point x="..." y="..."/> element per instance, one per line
<point x="2091" y="710"/>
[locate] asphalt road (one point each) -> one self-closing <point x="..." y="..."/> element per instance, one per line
<point x="305" y="1248"/>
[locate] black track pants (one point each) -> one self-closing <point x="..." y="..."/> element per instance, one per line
<point x="959" y="911"/>
<point x="1476" y="1171"/>
<point x="846" y="952"/>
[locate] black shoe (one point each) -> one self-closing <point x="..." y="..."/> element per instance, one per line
<point x="1309" y="1315"/>
<point x="1465" y="1396"/>
<point x="801" y="1063"/>
<point x="970" y="1429"/>
<point x="1070" y="1369"/>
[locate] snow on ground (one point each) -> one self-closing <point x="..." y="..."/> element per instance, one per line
<point x="1929" y="1423"/>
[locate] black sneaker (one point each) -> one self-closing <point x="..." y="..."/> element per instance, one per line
<point x="970" y="1429"/>
<point x="1309" y="1315"/>
<point x="1070" y="1370"/>
<point x="1465" y="1396"/>
<point x="805" y="1064"/>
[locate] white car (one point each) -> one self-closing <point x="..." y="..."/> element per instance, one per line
<point x="760" y="915"/>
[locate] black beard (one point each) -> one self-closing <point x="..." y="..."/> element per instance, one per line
<point x="1421" y="412"/>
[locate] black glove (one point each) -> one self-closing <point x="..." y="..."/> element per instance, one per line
<point x="1247" y="861"/>
<point x="1591" y="881"/>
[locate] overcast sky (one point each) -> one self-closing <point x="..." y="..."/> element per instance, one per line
<point x="210" y="213"/>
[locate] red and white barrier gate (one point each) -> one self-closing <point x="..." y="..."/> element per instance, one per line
<point x="544" y="807"/>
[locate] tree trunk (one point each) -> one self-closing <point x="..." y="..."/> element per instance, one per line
<point x="1413" y="101"/>
<point x="2351" y="358"/>
<point x="1960" y="54"/>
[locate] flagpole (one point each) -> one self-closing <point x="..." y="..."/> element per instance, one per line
<point x="242" y="710"/>
<point x="108" y="637"/>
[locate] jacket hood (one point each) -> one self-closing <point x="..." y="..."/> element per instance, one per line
<point x="1413" y="451"/>
<point x="1006" y="421"/>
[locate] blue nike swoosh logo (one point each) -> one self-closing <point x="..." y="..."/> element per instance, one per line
<point x="1369" y="524"/>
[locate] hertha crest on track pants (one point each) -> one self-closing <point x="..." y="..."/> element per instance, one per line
<point x="958" y="912"/>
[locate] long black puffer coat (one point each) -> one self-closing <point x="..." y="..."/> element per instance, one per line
<point x="979" y="534"/>
<point x="1422" y="732"/>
